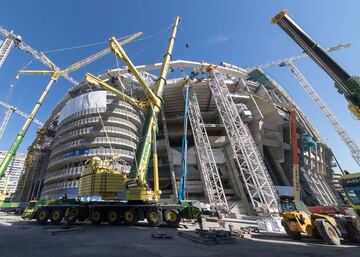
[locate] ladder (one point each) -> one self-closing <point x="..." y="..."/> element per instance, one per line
<point x="256" y="179"/>
<point x="5" y="49"/>
<point x="214" y="190"/>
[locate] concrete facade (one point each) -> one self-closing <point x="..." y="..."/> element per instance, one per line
<point x="257" y="97"/>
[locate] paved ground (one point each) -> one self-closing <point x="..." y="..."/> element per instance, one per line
<point x="20" y="238"/>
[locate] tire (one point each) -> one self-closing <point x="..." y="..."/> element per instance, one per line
<point x="292" y="234"/>
<point x="113" y="216"/>
<point x="56" y="216"/>
<point x="327" y="232"/>
<point x="352" y="233"/>
<point x="82" y="218"/>
<point x="42" y="216"/>
<point x="97" y="216"/>
<point x="130" y="217"/>
<point x="154" y="217"/>
<point x="172" y="217"/>
<point x="71" y="215"/>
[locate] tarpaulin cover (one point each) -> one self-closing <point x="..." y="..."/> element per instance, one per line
<point x="86" y="101"/>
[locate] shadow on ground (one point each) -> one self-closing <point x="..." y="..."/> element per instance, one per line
<point x="21" y="238"/>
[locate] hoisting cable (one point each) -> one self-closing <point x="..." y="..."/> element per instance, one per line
<point x="184" y="37"/>
<point x="104" y="42"/>
<point x="103" y="126"/>
<point x="141" y="50"/>
<point x="126" y="112"/>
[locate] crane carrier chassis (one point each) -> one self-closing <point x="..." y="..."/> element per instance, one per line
<point x="115" y="212"/>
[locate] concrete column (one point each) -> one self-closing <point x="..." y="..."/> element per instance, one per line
<point x="168" y="150"/>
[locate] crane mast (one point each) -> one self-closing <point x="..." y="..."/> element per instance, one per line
<point x="341" y="131"/>
<point x="346" y="84"/>
<point x="297" y="57"/>
<point x="136" y="186"/>
<point x="5" y="49"/>
<point x="10" y="110"/>
<point x="16" y="40"/>
<point x="55" y="73"/>
<point x="5" y="121"/>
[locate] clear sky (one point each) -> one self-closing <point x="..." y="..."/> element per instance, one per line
<point x="237" y="32"/>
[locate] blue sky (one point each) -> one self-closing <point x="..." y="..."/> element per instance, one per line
<point x="238" y="32"/>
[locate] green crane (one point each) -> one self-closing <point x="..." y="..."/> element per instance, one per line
<point x="136" y="186"/>
<point x="55" y="74"/>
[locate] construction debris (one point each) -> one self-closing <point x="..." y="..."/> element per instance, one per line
<point x="245" y="232"/>
<point x="211" y="236"/>
<point x="161" y="235"/>
<point x="64" y="229"/>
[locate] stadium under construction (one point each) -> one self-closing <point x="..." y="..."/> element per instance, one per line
<point x="92" y="122"/>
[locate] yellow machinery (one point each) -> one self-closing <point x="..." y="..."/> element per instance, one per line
<point x="125" y="197"/>
<point x="98" y="178"/>
<point x="297" y="220"/>
<point x="136" y="186"/>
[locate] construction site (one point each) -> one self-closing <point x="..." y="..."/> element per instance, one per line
<point x="180" y="158"/>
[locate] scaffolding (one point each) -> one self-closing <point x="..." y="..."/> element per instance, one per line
<point x="214" y="190"/>
<point x="256" y="179"/>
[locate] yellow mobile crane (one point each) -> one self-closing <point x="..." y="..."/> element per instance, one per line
<point x="99" y="178"/>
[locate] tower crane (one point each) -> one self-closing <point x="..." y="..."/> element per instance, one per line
<point x="329" y="66"/>
<point x="10" y="110"/>
<point x="347" y="85"/>
<point x="55" y="73"/>
<point x="340" y="130"/>
<point x="16" y="40"/>
<point x="295" y="58"/>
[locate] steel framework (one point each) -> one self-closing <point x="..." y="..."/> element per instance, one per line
<point x="210" y="175"/>
<point x="341" y="131"/>
<point x="253" y="172"/>
<point x="15" y="40"/>
<point x="10" y="110"/>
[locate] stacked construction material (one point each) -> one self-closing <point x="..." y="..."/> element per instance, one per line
<point x="99" y="179"/>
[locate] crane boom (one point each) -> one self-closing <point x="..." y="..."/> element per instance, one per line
<point x="55" y="73"/>
<point x="346" y="84"/>
<point x="137" y="187"/>
<point x="341" y="131"/>
<point x="17" y="41"/>
<point x="21" y="113"/>
<point x="5" y="121"/>
<point x="5" y="50"/>
<point x="98" y="55"/>
<point x="138" y="172"/>
<point x="297" y="57"/>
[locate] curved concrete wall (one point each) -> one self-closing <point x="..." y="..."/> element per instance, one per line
<point x="102" y="132"/>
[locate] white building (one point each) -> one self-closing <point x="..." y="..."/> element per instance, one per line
<point x="15" y="170"/>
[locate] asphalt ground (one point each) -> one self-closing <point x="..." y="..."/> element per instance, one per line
<point x="23" y="238"/>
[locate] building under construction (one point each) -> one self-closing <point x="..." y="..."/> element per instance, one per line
<point x="92" y="122"/>
<point x="9" y="182"/>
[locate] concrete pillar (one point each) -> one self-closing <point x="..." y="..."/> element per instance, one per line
<point x="168" y="150"/>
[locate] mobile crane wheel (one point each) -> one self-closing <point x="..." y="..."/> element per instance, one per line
<point x="172" y="217"/>
<point x="56" y="216"/>
<point x="154" y="217"/>
<point x="42" y="216"/>
<point x="130" y="217"/>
